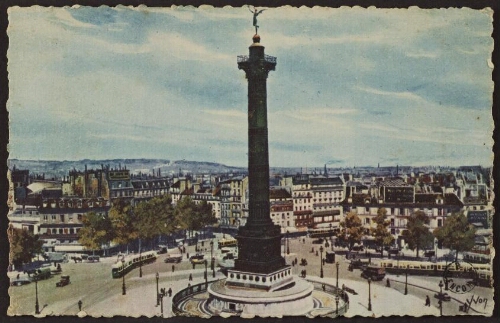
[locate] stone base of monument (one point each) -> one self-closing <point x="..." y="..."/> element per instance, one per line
<point x="290" y="296"/>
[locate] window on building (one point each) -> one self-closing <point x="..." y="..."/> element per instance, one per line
<point x="440" y="222"/>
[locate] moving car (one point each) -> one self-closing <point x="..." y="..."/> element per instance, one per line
<point x="373" y="272"/>
<point x="197" y="259"/>
<point x="64" y="281"/>
<point x="443" y="296"/>
<point x="175" y="258"/>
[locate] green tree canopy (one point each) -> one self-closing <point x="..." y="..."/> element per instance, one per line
<point x="155" y="217"/>
<point x="96" y="231"/>
<point x="352" y="230"/>
<point x="23" y="245"/>
<point x="192" y="216"/>
<point x="417" y="233"/>
<point x="456" y="233"/>
<point x="122" y="220"/>
<point x="381" y="232"/>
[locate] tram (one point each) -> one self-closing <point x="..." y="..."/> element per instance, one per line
<point x="320" y="232"/>
<point x="231" y="242"/>
<point x="481" y="273"/>
<point x="120" y="268"/>
<point x="477" y="258"/>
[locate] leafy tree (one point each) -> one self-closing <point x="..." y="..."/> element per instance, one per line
<point x="352" y="230"/>
<point x="122" y="221"/>
<point x="155" y="217"/>
<point x="417" y="233"/>
<point x="192" y="216"/>
<point x="23" y="245"/>
<point x="96" y="231"/>
<point x="381" y="232"/>
<point x="456" y="233"/>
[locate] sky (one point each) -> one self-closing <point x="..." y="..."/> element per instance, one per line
<point x="352" y="86"/>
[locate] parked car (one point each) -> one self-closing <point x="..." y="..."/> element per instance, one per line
<point x="64" y="281"/>
<point x="443" y="296"/>
<point x="393" y="250"/>
<point x="93" y="259"/>
<point x="358" y="264"/>
<point x="20" y="281"/>
<point x="358" y="248"/>
<point x="429" y="253"/>
<point x="161" y="249"/>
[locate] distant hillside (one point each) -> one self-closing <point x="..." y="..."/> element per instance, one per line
<point x="57" y="169"/>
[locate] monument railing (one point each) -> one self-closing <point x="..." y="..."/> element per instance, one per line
<point x="180" y="296"/>
<point x="246" y="58"/>
<point x="333" y="290"/>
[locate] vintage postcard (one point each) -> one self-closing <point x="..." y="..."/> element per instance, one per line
<point x="250" y="161"/>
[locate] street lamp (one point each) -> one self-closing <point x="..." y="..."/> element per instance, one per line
<point x="124" y="289"/>
<point x="287" y="244"/>
<point x="37" y="306"/>
<point x="406" y="281"/>
<point x="337" y="284"/>
<point x="157" y="291"/>
<point x="161" y="300"/>
<point x="206" y="274"/>
<point x="321" y="261"/>
<point x="369" y="294"/>
<point x="140" y="262"/>
<point x="440" y="297"/>
<point x="337" y="304"/>
<point x="212" y="263"/>
<point x="331" y="236"/>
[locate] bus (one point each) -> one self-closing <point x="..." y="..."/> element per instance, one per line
<point x="127" y="263"/>
<point x="229" y="242"/>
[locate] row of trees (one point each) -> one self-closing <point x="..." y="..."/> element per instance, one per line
<point x="146" y="221"/>
<point x="456" y="233"/>
<point x="23" y="246"/>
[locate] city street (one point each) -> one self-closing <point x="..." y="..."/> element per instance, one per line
<point x="101" y="295"/>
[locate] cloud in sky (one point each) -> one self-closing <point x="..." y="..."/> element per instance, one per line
<point x="352" y="86"/>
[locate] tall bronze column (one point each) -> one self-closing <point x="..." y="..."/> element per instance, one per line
<point x="259" y="241"/>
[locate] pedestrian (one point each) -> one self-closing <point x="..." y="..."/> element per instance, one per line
<point x="427" y="301"/>
<point x="305" y="273"/>
<point x="295" y="260"/>
<point x="304" y="240"/>
<point x="323" y="286"/>
<point x="80" y="305"/>
<point x="169" y="292"/>
<point x="173" y="268"/>
<point x="190" y="277"/>
<point x="17" y="276"/>
<point x="388" y="283"/>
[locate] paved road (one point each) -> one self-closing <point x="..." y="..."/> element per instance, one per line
<point x="92" y="283"/>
